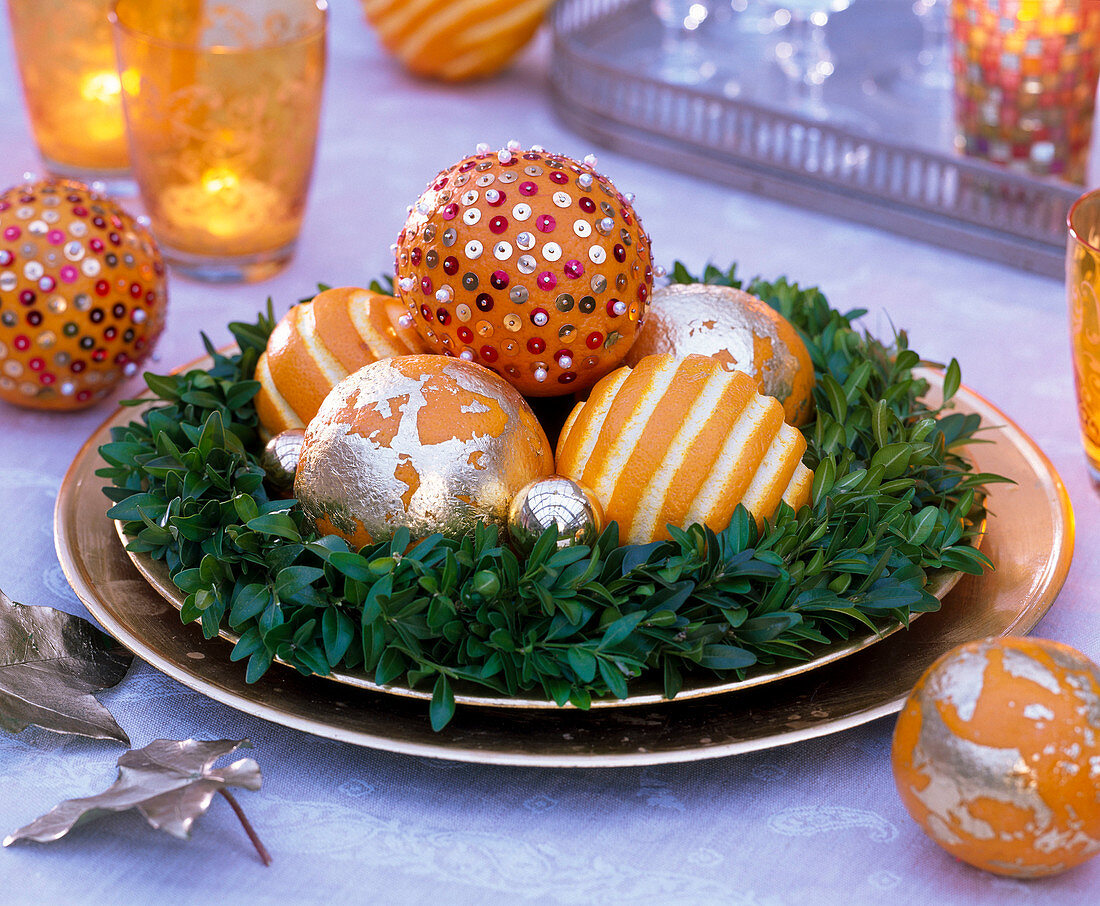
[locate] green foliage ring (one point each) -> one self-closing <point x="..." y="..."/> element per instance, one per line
<point x="892" y="499"/>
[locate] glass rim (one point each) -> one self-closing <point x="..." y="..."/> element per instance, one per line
<point x="220" y="49"/>
<point x="1092" y="195"/>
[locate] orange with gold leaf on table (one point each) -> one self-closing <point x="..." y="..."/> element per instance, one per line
<point x="741" y="331"/>
<point x="424" y="442"/>
<point x="529" y="263"/>
<point x="319" y="343"/>
<point x="682" y="441"/>
<point x="82" y="295"/>
<point x="996" y="755"/>
<point x="455" y="40"/>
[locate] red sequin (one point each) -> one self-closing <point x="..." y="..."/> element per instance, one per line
<point x="594" y="340"/>
<point x="536" y="345"/>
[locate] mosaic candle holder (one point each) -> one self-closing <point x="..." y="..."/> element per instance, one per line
<point x="71" y="87"/>
<point x="1025" y="82"/>
<point x="222" y="105"/>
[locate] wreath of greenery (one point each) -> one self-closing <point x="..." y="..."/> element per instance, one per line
<point x="892" y="499"/>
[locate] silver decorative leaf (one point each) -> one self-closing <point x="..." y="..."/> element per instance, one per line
<point x="50" y="663"/>
<point x="170" y="782"/>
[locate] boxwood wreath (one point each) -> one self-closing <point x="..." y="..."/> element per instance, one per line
<point x="892" y="499"/>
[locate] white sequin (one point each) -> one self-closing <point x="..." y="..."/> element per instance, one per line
<point x="32" y="270"/>
<point x="521" y="211"/>
<point x="471" y="216"/>
<point x="474" y="249"/>
<point x="597" y="255"/>
<point x="526" y="264"/>
<point x="562" y="199"/>
<point x="502" y="251"/>
<point x="582" y="228"/>
<point x="90" y="267"/>
<point x="525" y="241"/>
<point x="486" y="179"/>
<point x="470" y="196"/>
<point x="551" y="251"/>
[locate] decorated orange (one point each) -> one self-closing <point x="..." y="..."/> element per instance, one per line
<point x="455" y="39"/>
<point x="997" y="755"/>
<point x="739" y="330"/>
<point x="682" y="441"/>
<point x="529" y="263"/>
<point x="319" y="343"/>
<point x="82" y="295"/>
<point x="422" y="442"/>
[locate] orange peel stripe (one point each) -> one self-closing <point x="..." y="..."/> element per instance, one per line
<point x="579" y="436"/>
<point x="294" y="370"/>
<point x="372" y="329"/>
<point x="336" y="329"/>
<point x="774" y="472"/>
<point x="672" y="410"/>
<point x="695" y="463"/>
<point x="686" y="461"/>
<point x="736" y="464"/>
<point x="624" y="425"/>
<point x="797" y="494"/>
<point x="274" y="412"/>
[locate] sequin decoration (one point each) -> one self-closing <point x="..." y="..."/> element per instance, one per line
<point x="82" y="295"/>
<point x="549" y="252"/>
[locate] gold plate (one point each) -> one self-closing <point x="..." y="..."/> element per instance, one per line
<point x="1029" y="537"/>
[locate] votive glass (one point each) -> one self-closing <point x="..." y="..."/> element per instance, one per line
<point x="222" y="104"/>
<point x="1025" y="82"/>
<point x="66" y="62"/>
<point x="1083" y="296"/>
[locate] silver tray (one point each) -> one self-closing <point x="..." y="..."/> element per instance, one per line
<point x="894" y="169"/>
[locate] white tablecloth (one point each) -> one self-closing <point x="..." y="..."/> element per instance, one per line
<point x="817" y="822"/>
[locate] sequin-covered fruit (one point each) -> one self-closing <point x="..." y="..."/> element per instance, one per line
<point x="682" y="441"/>
<point x="997" y="755"/>
<point x="426" y="442"/>
<point x="455" y="40"/>
<point x="82" y="295"/>
<point x="529" y="263"/>
<point x="739" y="330"/>
<point x="319" y="343"/>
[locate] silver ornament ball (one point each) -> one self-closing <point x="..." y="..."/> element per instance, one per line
<point x="554" y="501"/>
<point x="280" y="459"/>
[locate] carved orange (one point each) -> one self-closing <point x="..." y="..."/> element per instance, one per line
<point x="319" y="343"/>
<point x="997" y="755"/>
<point x="682" y="441"/>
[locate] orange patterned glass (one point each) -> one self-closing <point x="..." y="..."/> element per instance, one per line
<point x="71" y="87"/>
<point x="1025" y="82"/>
<point x="222" y="104"/>
<point x="1083" y="294"/>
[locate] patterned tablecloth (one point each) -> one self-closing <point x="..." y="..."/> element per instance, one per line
<point x="816" y="822"/>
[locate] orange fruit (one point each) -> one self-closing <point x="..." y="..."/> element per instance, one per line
<point x="82" y="295"/>
<point x="425" y="442"/>
<point x="996" y="755"/>
<point x="529" y="263"/>
<point x="739" y="330"/>
<point x="455" y="40"/>
<point x="319" y="343"/>
<point x="682" y="441"/>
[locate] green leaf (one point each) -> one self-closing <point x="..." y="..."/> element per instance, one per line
<point x="443" y="703"/>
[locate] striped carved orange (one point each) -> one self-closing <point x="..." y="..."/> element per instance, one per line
<point x="455" y="40"/>
<point x="679" y="442"/>
<point x="319" y="343"/>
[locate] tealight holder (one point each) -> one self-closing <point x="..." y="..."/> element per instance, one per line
<point x="1025" y="82"/>
<point x="222" y="105"/>
<point x="71" y="88"/>
<point x="1083" y="296"/>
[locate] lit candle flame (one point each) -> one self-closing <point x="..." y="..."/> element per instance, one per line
<point x="104" y="87"/>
